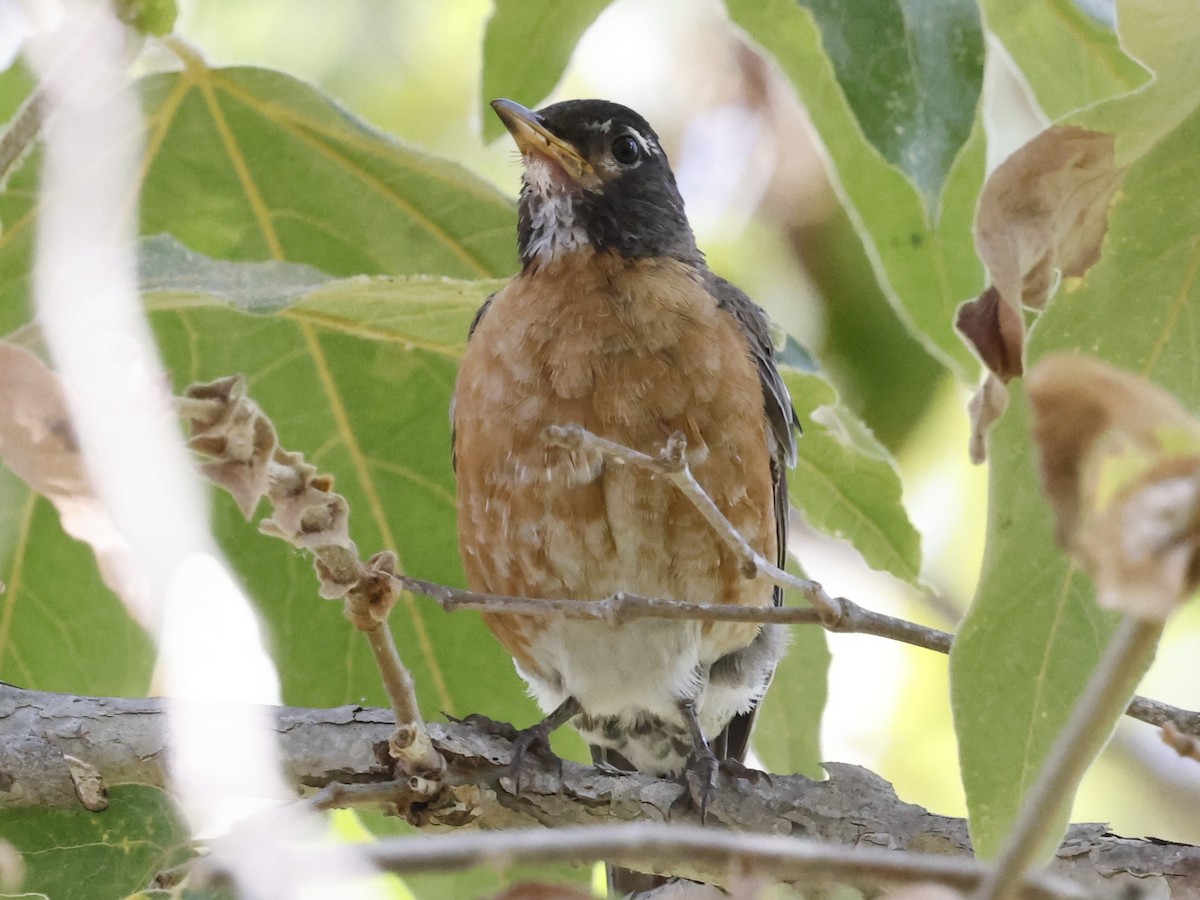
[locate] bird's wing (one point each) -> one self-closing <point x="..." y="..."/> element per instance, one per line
<point x="783" y="429"/>
<point x="470" y="331"/>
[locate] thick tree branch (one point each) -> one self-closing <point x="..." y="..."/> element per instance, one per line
<point x="124" y="740"/>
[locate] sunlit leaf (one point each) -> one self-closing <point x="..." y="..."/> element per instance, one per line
<point x="913" y="74"/>
<point x="845" y="482"/>
<point x="925" y="262"/>
<point x="79" y="855"/>
<point x="526" y="47"/>
<point x="1069" y="59"/>
<point x="1034" y="611"/>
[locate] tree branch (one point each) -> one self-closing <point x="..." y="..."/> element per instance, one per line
<point x="341" y="756"/>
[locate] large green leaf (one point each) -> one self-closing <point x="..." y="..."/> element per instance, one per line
<point x="1162" y="34"/>
<point x="358" y="375"/>
<point x="1033" y="633"/>
<point x="526" y="47"/>
<point x="249" y="164"/>
<point x="925" y="261"/>
<point x="1069" y="59"/>
<point x="254" y="165"/>
<point x="845" y="482"/>
<point x="80" y="855"/>
<point x="912" y="73"/>
<point x="61" y="629"/>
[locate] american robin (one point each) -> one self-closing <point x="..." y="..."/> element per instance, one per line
<point x="616" y="323"/>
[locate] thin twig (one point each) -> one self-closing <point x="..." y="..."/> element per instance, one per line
<point x="22" y="129"/>
<point x="672" y="465"/>
<point x="245" y="458"/>
<point x="855" y="619"/>
<point x="1088" y="728"/>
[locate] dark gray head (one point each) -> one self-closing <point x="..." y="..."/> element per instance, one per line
<point x="595" y="176"/>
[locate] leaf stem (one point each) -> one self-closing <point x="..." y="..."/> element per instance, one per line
<point x="1104" y="698"/>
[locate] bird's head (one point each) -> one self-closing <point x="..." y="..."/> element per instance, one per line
<point x="596" y="178"/>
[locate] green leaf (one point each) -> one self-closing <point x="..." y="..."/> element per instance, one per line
<point x="912" y="73"/>
<point x="61" y="629"/>
<point x="358" y="375"/>
<point x="1033" y="633"/>
<point x="1068" y="58"/>
<point x="156" y="17"/>
<point x="1161" y="34"/>
<point x="248" y="164"/>
<point x="526" y="47"/>
<point x="80" y="855"/>
<point x="845" y="482"/>
<point x="787" y="734"/>
<point x="925" y="262"/>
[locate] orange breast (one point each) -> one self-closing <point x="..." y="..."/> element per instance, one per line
<point x="632" y="351"/>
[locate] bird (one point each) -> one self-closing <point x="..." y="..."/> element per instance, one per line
<point x="615" y="323"/>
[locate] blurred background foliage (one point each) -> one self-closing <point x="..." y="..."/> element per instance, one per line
<point x="757" y="183"/>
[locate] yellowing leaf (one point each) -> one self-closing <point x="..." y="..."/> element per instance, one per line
<point x="1121" y="466"/>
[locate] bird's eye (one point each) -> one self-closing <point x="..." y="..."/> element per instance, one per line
<point x="626" y="150"/>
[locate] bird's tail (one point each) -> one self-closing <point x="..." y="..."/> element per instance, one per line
<point x="623" y="882"/>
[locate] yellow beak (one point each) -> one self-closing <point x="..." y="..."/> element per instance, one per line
<point x="533" y="137"/>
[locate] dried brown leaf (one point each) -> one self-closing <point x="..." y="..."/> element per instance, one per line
<point x="1042" y="214"/>
<point x="995" y="329"/>
<point x="1185" y="745"/>
<point x="38" y="445"/>
<point x="1044" y="211"/>
<point x="986" y="407"/>
<point x="1120" y="463"/>
<point x="229" y="427"/>
<point x="36" y="440"/>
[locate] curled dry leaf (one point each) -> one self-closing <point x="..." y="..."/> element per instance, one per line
<point x="1120" y="462"/>
<point x="1042" y="214"/>
<point x="986" y="407"/>
<point x="229" y="428"/>
<point x="38" y="445"/>
<point x="246" y="460"/>
<point x="1184" y="744"/>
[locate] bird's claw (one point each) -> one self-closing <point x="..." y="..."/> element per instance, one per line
<point x="700" y="778"/>
<point x="531" y="742"/>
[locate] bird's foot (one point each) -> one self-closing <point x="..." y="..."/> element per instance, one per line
<point x="700" y="779"/>
<point x="535" y="741"/>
